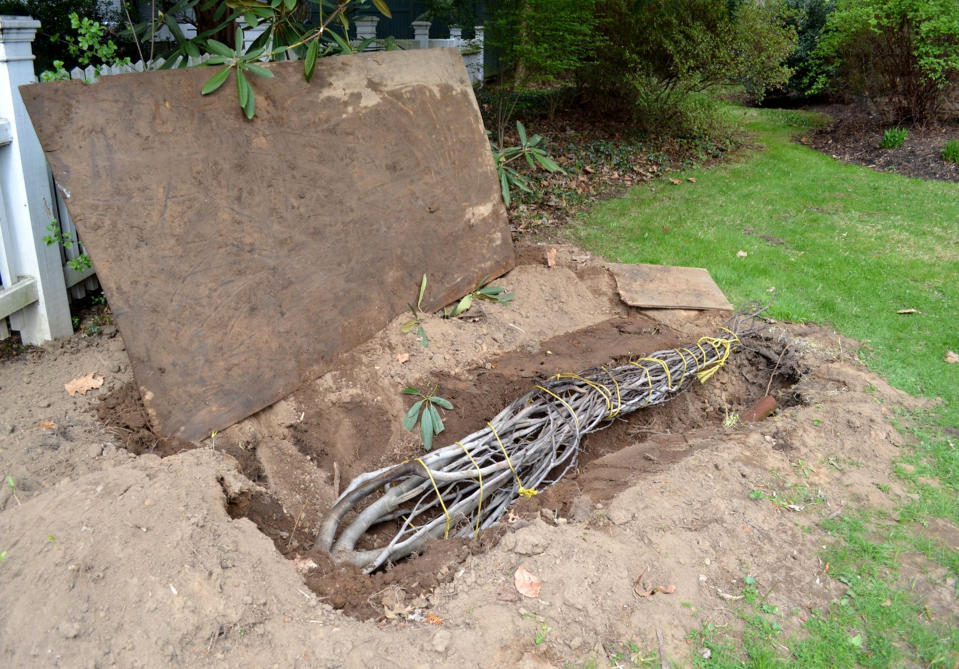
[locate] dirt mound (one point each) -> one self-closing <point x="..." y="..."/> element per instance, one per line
<point x="203" y="558"/>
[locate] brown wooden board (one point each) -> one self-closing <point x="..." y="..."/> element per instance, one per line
<point x="665" y="287"/>
<point x="240" y="256"/>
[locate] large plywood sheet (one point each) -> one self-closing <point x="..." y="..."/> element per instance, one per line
<point x="240" y="256"/>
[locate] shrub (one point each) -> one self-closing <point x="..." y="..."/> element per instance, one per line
<point x="54" y="17"/>
<point x="657" y="52"/>
<point x="893" y="138"/>
<point x="950" y="152"/>
<point x="902" y="53"/>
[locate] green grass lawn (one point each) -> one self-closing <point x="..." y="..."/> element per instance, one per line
<point x="849" y="247"/>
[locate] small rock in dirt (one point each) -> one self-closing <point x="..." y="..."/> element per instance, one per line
<point x="94" y="450"/>
<point x="619" y="515"/>
<point x="581" y="509"/>
<point x="69" y="630"/>
<point x="532" y="540"/>
<point x="441" y="641"/>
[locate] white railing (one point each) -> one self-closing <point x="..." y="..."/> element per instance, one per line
<point x="36" y="279"/>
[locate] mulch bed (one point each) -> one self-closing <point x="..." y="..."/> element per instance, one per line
<point x="855" y="133"/>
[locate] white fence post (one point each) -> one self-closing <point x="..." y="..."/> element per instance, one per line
<point x="28" y="201"/>
<point x="421" y="32"/>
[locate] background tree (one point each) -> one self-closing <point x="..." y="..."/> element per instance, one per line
<point x="903" y="54"/>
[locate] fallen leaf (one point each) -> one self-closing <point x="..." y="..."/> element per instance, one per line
<point x="952" y="357"/>
<point x="908" y="311"/>
<point x="527" y="584"/>
<point x="589" y="169"/>
<point x="48" y="425"/>
<point x="82" y="384"/>
<point x="434" y="619"/>
<point x="666" y="589"/>
<point x="741" y="254"/>
<point x="402" y="357"/>
<point x="691" y="180"/>
<point x="551" y="257"/>
<point x="888" y="602"/>
<point x="675" y="182"/>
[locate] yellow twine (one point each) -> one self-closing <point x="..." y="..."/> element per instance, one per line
<point x="695" y="359"/>
<point x="575" y="417"/>
<point x="619" y="398"/>
<point x="735" y="336"/>
<point x="669" y="377"/>
<point x="683" y="377"/>
<point x="446" y="533"/>
<point x="706" y="373"/>
<point x="479" y="473"/>
<point x="523" y="492"/>
<point x="602" y="390"/>
<point x="649" y="380"/>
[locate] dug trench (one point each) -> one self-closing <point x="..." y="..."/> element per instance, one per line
<point x="315" y="442"/>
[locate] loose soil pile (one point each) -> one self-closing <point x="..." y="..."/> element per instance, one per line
<point x="118" y="556"/>
<point x="854" y="136"/>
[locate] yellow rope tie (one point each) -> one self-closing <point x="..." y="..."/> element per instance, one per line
<point x="523" y="492"/>
<point x="649" y="379"/>
<point x="683" y="377"/>
<point x="619" y="397"/>
<point x="602" y="390"/>
<point x="479" y="473"/>
<point x="735" y="336"/>
<point x="699" y="345"/>
<point x="669" y="377"/>
<point x="705" y="374"/>
<point x="446" y="533"/>
<point x="695" y="359"/>
<point x="565" y="404"/>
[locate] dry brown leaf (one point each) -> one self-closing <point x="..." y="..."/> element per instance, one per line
<point x="908" y="311"/>
<point x="691" y="180"/>
<point x="741" y="254"/>
<point x="675" y="182"/>
<point x="402" y="357"/>
<point x="82" y="384"/>
<point x="551" y="257"/>
<point x="526" y="584"/>
<point x="952" y="357"/>
<point x="666" y="589"/>
<point x="48" y="425"/>
<point x="434" y="619"/>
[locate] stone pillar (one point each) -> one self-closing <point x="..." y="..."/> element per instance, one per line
<point x="366" y="27"/>
<point x="27" y="198"/>
<point x="421" y="33"/>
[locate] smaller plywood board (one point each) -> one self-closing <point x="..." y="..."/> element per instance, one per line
<point x="665" y="287"/>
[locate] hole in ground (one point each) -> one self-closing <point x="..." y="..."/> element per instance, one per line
<point x="647" y="441"/>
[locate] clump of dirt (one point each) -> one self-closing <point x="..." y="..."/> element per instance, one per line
<point x="122" y="411"/>
<point x="855" y="135"/>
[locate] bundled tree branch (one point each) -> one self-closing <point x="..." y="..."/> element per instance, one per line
<point x="467" y="486"/>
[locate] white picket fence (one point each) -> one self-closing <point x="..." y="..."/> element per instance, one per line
<point x="36" y="281"/>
